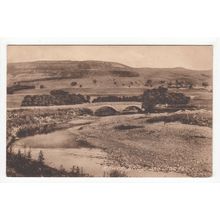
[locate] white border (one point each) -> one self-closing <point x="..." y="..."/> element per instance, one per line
<point x="112" y="41"/>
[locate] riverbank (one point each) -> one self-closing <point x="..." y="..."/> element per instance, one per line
<point x="19" y="165"/>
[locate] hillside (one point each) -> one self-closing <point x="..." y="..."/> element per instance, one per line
<point x="47" y="70"/>
<point x="53" y="70"/>
<point x="97" y="78"/>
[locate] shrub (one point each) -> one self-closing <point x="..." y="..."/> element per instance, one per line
<point x="85" y="111"/>
<point x="148" y="83"/>
<point x="205" y="84"/>
<point x="73" y="83"/>
<point x="117" y="173"/>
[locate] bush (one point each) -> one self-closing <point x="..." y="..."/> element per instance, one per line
<point x="117" y="173"/>
<point x="149" y="83"/>
<point x="205" y="84"/>
<point x="73" y="83"/>
<point x="85" y="111"/>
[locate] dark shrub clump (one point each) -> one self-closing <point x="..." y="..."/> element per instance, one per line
<point x="117" y="173"/>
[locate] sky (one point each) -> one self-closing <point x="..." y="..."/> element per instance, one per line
<point x="191" y="57"/>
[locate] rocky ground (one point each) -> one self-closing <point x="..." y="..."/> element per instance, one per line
<point x="131" y="142"/>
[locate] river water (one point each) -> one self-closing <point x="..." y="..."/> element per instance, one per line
<point x="61" y="148"/>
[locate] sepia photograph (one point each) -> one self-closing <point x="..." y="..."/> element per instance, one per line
<point x="109" y="110"/>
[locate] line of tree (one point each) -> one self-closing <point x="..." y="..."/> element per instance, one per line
<point x="56" y="97"/>
<point x="17" y="87"/>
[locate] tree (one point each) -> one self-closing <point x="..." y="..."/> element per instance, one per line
<point x="77" y="170"/>
<point x="149" y="100"/>
<point x="190" y="85"/>
<point x="42" y="86"/>
<point x="152" y="97"/>
<point x="169" y="84"/>
<point x="94" y="81"/>
<point x="10" y="150"/>
<point x="62" y="169"/>
<point x="41" y="157"/>
<point x="148" y="83"/>
<point x="19" y="153"/>
<point x="29" y="154"/>
<point x="117" y="173"/>
<point x="73" y="83"/>
<point x="205" y="84"/>
<point x="73" y="170"/>
<point x="88" y="98"/>
<point x="178" y="84"/>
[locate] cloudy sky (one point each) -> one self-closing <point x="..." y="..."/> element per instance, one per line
<point x="192" y="57"/>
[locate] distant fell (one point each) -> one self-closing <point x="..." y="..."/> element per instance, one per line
<point x="48" y="70"/>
